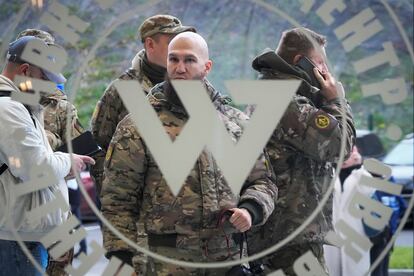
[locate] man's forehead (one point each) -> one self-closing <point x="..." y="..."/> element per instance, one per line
<point x="183" y="52"/>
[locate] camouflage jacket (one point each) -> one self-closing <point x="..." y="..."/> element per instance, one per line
<point x="303" y="151"/>
<point x="133" y="186"/>
<point x="110" y="110"/>
<point x="56" y="109"/>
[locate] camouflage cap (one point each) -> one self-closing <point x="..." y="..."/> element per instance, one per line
<point x="45" y="36"/>
<point x="162" y="24"/>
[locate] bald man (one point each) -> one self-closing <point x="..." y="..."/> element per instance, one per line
<point x="190" y="226"/>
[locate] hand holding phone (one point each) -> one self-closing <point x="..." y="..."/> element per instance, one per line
<point x="330" y="88"/>
<point x="322" y="80"/>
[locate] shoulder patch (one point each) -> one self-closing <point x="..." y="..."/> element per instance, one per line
<point x="108" y="155"/>
<point x="96" y="112"/>
<point x="322" y="121"/>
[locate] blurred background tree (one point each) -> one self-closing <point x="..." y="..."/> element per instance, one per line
<point x="236" y="31"/>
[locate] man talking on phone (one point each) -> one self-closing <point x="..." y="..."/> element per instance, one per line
<point x="303" y="149"/>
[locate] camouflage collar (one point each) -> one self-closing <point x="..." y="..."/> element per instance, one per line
<point x="136" y="72"/>
<point x="270" y="61"/>
<point x="158" y="98"/>
<point x="55" y="97"/>
<point x="272" y="66"/>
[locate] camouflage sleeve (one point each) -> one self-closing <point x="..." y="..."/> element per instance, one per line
<point x="55" y="118"/>
<point x="103" y="124"/>
<point x="52" y="125"/>
<point x="76" y="128"/>
<point x="121" y="196"/>
<point x="106" y="116"/>
<point x="260" y="188"/>
<point x="318" y="132"/>
<point x="236" y="116"/>
<point x="53" y="138"/>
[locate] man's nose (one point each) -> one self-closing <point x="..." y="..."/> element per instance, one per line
<point x="180" y="67"/>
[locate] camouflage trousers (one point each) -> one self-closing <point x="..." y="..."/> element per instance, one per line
<point x="57" y="267"/>
<point x="286" y="256"/>
<point x="156" y="267"/>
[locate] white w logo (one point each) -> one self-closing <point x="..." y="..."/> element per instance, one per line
<point x="204" y="129"/>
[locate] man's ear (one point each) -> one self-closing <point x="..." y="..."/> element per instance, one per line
<point x="208" y="65"/>
<point x="149" y="44"/>
<point x="23" y="69"/>
<point x="296" y="59"/>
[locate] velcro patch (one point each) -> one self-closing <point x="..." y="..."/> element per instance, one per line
<point x="95" y="112"/>
<point x="108" y="155"/>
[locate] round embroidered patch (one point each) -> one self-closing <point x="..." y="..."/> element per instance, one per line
<point x="322" y="121"/>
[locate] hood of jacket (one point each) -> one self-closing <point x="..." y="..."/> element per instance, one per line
<point x="158" y="97"/>
<point x="271" y="66"/>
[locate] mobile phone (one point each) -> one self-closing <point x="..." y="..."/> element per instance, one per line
<point x="307" y="65"/>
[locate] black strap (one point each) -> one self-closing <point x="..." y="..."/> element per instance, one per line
<point x="3" y="168"/>
<point x="31" y="114"/>
<point x="256" y="266"/>
<point x="3" y="93"/>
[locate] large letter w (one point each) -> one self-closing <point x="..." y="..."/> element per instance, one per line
<point x="205" y="129"/>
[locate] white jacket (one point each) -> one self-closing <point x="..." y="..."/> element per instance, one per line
<point x="23" y="144"/>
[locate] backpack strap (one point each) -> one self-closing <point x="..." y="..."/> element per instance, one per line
<point x="3" y="168"/>
<point x="4" y="93"/>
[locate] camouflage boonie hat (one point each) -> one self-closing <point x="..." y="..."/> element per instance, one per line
<point x="45" y="36"/>
<point x="162" y="24"/>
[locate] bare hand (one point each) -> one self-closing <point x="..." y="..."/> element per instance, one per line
<point x="328" y="84"/>
<point x="241" y="219"/>
<point x="119" y="270"/>
<point x="79" y="163"/>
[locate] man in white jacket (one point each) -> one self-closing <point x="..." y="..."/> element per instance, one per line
<point x="26" y="159"/>
<point x="338" y="261"/>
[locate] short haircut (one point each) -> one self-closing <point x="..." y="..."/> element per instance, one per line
<point x="298" y="41"/>
<point x="156" y="37"/>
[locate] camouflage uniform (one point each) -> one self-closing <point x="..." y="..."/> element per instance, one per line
<point x="303" y="151"/>
<point x="133" y="186"/>
<point x="110" y="109"/>
<point x="56" y="108"/>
